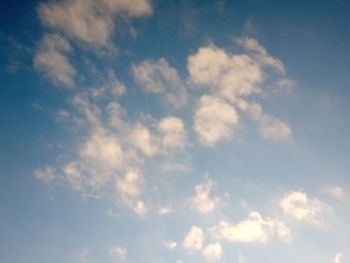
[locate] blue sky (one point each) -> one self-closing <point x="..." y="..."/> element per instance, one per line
<point x="174" y="131"/>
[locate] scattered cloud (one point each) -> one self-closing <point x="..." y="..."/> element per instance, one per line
<point x="120" y="252"/>
<point x="203" y="201"/>
<point x="51" y="59"/>
<point x="214" y="120"/>
<point x="194" y="239"/>
<point x="213" y="252"/>
<point x="302" y="208"/>
<point x="170" y="244"/>
<point x="83" y="255"/>
<point x="160" y="78"/>
<point x="46" y="174"/>
<point x="88" y="21"/>
<point x="254" y="229"/>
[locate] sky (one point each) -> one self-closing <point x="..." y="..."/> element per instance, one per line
<point x="171" y="131"/>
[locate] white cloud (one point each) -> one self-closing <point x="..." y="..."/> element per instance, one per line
<point x="254" y="229"/>
<point x="130" y="189"/>
<point x="194" y="239"/>
<point x="270" y="127"/>
<point x="299" y="206"/>
<point x="159" y="77"/>
<point x="213" y="252"/>
<point x="214" y="120"/>
<point x="90" y="21"/>
<point x="261" y="54"/>
<point x="51" y="59"/>
<point x="172" y="132"/>
<point x="170" y="244"/>
<point x="338" y="258"/>
<point x="46" y="174"/>
<point x="336" y="192"/>
<point x="231" y="76"/>
<point x="203" y="201"/>
<point x="142" y="138"/>
<point x="120" y="252"/>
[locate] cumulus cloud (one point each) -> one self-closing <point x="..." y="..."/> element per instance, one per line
<point x="203" y="201"/>
<point x="254" y="229"/>
<point x="214" y="120"/>
<point x="302" y="208"/>
<point x="46" y="174"/>
<point x="51" y="59"/>
<point x="120" y="252"/>
<point x="213" y="252"/>
<point x="194" y="239"/>
<point x="159" y="77"/>
<point x="89" y="21"/>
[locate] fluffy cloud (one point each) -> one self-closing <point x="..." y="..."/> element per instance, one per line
<point x="194" y="239"/>
<point x="51" y="59"/>
<point x="213" y="252"/>
<point x="89" y="21"/>
<point x="254" y="229"/>
<point x="299" y="206"/>
<point x="119" y="252"/>
<point x="159" y="77"/>
<point x="46" y="174"/>
<point x="202" y="201"/>
<point x="214" y="120"/>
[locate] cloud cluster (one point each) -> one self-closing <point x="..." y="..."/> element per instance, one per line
<point x="203" y="201"/>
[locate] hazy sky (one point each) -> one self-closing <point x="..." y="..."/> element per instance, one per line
<point x="164" y="131"/>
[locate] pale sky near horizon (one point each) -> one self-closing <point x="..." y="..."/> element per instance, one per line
<point x="155" y="131"/>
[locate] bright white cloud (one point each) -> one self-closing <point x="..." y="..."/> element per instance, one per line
<point x="141" y="137"/>
<point x="254" y="229"/>
<point x="170" y="244"/>
<point x="214" y="120"/>
<point x="46" y="174"/>
<point x="51" y="59"/>
<point x="213" y="252"/>
<point x="338" y="258"/>
<point x="194" y="239"/>
<point x="299" y="206"/>
<point x="120" y="252"/>
<point x="203" y="201"/>
<point x="159" y="77"/>
<point x="89" y="21"/>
